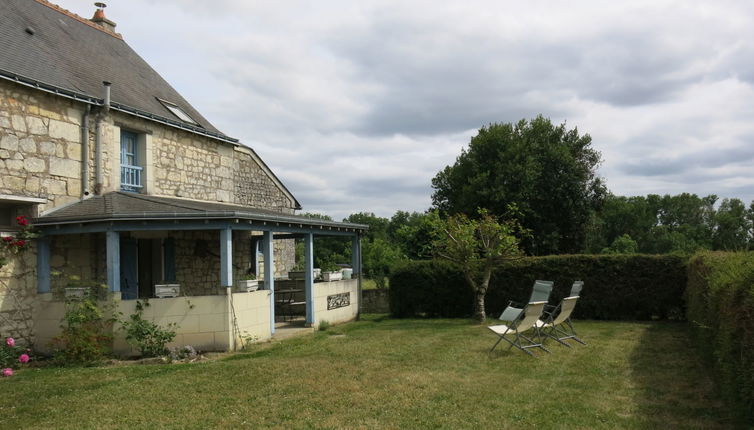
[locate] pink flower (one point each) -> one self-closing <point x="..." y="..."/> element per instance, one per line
<point x="8" y="238"/>
<point x="7" y="371"/>
<point x="20" y="242"/>
<point x="10" y="342"/>
<point x="22" y="221"/>
<point x="23" y="358"/>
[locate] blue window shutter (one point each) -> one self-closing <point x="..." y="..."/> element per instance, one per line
<point x="169" y="250"/>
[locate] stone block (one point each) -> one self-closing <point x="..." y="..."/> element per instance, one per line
<point x="27" y="145"/>
<point x="54" y="186"/>
<point x="14" y="164"/>
<point x="36" y="125"/>
<point x="46" y="148"/>
<point x="9" y="142"/>
<point x="64" y="130"/>
<point x="66" y="168"/>
<point x="74" y="151"/>
<point x="32" y="185"/>
<point x="74" y="187"/>
<point x="18" y="123"/>
<point x="34" y="165"/>
<point x="13" y="182"/>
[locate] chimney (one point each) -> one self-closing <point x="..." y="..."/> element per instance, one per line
<point x="99" y="18"/>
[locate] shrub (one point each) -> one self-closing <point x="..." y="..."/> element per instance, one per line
<point x="86" y="338"/>
<point x="720" y="299"/>
<point x="12" y="356"/>
<point x="632" y="287"/>
<point x="149" y="338"/>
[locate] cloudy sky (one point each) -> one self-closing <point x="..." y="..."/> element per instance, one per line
<point x="356" y="105"/>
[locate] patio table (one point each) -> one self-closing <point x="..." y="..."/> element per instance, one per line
<point x="285" y="302"/>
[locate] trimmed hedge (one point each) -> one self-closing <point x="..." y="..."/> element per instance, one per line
<point x="721" y="312"/>
<point x="616" y="287"/>
<point x="430" y="288"/>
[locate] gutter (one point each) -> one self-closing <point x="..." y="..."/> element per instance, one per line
<point x="85" y="151"/>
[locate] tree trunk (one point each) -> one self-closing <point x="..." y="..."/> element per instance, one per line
<point x="479" y="313"/>
<point x="480" y="291"/>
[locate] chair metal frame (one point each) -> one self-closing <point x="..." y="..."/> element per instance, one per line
<point x="532" y="312"/>
<point x="558" y="325"/>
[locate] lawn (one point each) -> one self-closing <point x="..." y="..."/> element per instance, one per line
<point x="381" y="373"/>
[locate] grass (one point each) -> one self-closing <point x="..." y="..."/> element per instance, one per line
<point x="381" y="373"/>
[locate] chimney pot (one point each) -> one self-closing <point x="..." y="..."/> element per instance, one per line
<point x="100" y="19"/>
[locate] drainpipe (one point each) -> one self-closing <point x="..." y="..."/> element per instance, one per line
<point x="85" y="150"/>
<point x="98" y="140"/>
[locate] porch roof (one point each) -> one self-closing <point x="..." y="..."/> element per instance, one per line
<point x="124" y="207"/>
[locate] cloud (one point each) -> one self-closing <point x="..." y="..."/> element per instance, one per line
<point x="357" y="105"/>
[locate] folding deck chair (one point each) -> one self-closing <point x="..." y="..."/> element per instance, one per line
<point x="559" y="326"/>
<point x="532" y="312"/>
<point x="540" y="293"/>
<point x="576" y="288"/>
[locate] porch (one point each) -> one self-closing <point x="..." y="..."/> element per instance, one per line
<point x="134" y="242"/>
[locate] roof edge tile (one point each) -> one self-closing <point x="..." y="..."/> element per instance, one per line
<point x="83" y="20"/>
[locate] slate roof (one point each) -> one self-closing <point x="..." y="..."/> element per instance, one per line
<point x="72" y="56"/>
<point x="122" y="206"/>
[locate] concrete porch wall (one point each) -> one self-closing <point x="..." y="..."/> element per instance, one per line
<point x="324" y="289"/>
<point x="204" y="322"/>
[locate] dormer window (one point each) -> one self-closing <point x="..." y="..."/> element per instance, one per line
<point x="130" y="169"/>
<point x="178" y="112"/>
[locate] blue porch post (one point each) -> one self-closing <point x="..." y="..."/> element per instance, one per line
<point x="269" y="274"/>
<point x="43" y="265"/>
<point x="309" y="276"/>
<point x="113" y="261"/>
<point x="356" y="265"/>
<point x="226" y="257"/>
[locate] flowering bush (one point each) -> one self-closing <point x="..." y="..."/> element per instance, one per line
<point x="11" y="245"/>
<point x="12" y="356"/>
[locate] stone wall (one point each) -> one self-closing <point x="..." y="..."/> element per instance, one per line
<point x="181" y="164"/>
<point x="40" y="145"/>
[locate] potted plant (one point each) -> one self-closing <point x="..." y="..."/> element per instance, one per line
<point x="248" y="283"/>
<point x="331" y="272"/>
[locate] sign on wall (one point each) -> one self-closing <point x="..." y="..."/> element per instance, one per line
<point x="336" y="301"/>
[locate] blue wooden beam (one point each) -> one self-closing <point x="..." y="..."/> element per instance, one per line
<point x="43" y="265"/>
<point x="309" y="276"/>
<point x="269" y="274"/>
<point x="226" y="257"/>
<point x="356" y="254"/>
<point x="356" y="265"/>
<point x="113" y="260"/>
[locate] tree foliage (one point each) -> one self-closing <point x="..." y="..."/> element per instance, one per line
<point x="476" y="246"/>
<point x="546" y="170"/>
<point x="681" y="223"/>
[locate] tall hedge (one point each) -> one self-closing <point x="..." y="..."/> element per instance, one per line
<point x="721" y="312"/>
<point x="617" y="287"/>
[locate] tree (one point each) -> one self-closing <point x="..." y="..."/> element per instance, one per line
<point x="379" y="258"/>
<point x="546" y="170"/>
<point x="412" y="232"/>
<point x="378" y="226"/>
<point x="732" y="226"/>
<point x="621" y="245"/>
<point x="477" y="247"/>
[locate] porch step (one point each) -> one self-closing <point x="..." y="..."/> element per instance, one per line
<point x="286" y="330"/>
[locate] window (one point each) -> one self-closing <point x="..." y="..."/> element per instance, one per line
<point x="130" y="170"/>
<point x="178" y="112"/>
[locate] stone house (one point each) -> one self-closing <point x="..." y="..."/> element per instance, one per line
<point x="131" y="187"/>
